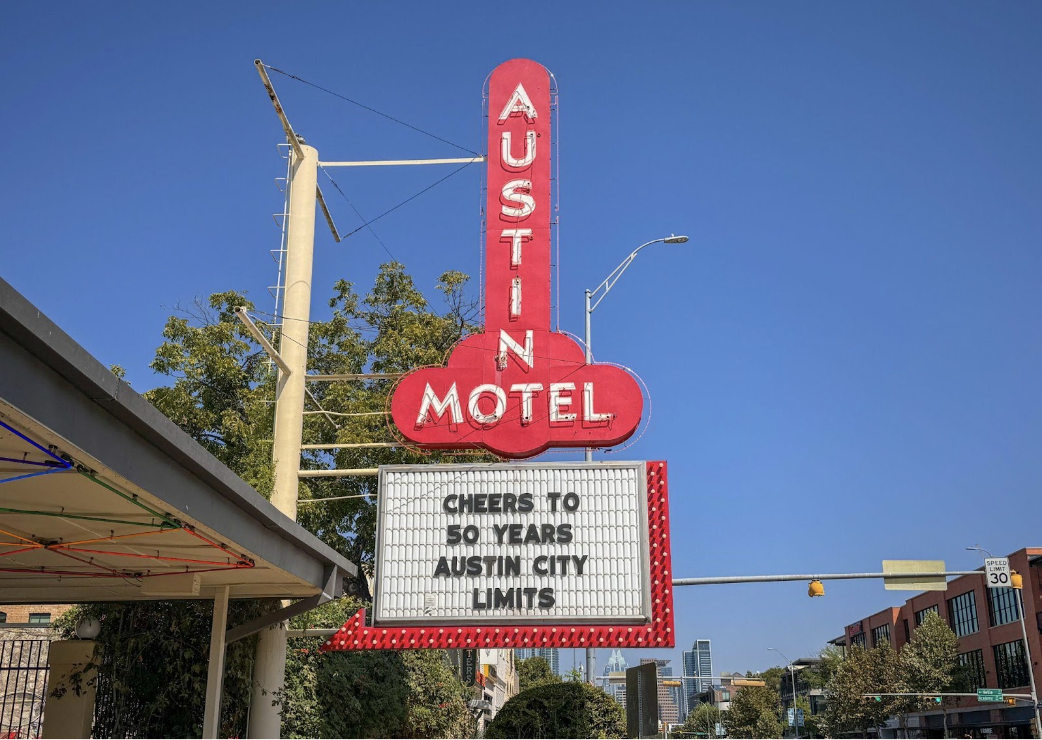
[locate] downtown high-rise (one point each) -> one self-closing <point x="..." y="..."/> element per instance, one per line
<point x="551" y="655"/>
<point x="698" y="663"/>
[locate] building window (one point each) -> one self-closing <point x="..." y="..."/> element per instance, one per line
<point x="962" y="614"/>
<point x="1010" y="664"/>
<point x="908" y="635"/>
<point x="858" y="640"/>
<point x="921" y="614"/>
<point x="974" y="662"/>
<point x="40" y="618"/>
<point x="1002" y="606"/>
<point x="880" y="635"/>
<point x="3" y="617"/>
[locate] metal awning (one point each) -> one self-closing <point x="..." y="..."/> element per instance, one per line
<point x="103" y="498"/>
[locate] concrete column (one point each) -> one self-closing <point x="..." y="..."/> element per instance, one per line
<point x="215" y="671"/>
<point x="71" y="714"/>
<point x="269" y="672"/>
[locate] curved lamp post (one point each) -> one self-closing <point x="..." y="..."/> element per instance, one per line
<point x="792" y="677"/>
<point x="602" y="290"/>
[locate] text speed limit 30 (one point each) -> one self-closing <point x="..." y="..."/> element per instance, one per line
<point x="996" y="572"/>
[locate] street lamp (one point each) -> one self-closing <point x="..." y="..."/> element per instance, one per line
<point x="603" y="289"/>
<point x="792" y="676"/>
<point x="606" y="286"/>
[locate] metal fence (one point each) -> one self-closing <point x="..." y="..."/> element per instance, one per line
<point x="23" y="686"/>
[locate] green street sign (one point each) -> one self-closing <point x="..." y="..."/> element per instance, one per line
<point x="989" y="694"/>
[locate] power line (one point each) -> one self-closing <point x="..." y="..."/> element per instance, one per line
<point x="372" y="110"/>
<point x="417" y="195"/>
<point x="344" y="195"/>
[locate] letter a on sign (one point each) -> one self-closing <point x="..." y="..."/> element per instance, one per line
<point x="518" y="388"/>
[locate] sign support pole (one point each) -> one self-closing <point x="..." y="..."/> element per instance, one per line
<point x="269" y="672"/>
<point x="1027" y="657"/>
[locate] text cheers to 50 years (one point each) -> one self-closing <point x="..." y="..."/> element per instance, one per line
<point x="509" y="534"/>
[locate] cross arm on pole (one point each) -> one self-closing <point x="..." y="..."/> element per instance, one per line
<point x="290" y="134"/>
<point x="256" y="333"/>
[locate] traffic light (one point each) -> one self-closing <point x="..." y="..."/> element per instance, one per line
<point x="878" y="698"/>
<point x="935" y="699"/>
<point x="1016" y="580"/>
<point x="815" y="589"/>
<point x="1010" y="700"/>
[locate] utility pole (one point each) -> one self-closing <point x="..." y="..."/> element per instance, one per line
<point x="1027" y="657"/>
<point x="269" y="672"/>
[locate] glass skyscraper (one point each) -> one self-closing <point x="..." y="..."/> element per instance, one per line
<point x="698" y="661"/>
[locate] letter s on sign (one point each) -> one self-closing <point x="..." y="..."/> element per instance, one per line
<point x="525" y="201"/>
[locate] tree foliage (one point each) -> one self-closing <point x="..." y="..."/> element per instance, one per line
<point x="535" y="671"/>
<point x="153" y="663"/>
<point x="559" y="710"/>
<point x="702" y="719"/>
<point x="875" y="671"/>
<point x="221" y="391"/>
<point x="929" y="661"/>
<point x="754" y="713"/>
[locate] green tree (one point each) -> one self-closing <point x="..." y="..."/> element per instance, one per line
<point x="754" y="713"/>
<point x="559" y="710"/>
<point x="929" y="662"/>
<point x="154" y="667"/>
<point x="772" y="677"/>
<point x="221" y="389"/>
<point x="534" y="672"/>
<point x="864" y="672"/>
<point x="574" y="675"/>
<point x="701" y="721"/>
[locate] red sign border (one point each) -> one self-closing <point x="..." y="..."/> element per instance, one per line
<point x="658" y="633"/>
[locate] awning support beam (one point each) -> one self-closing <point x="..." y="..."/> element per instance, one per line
<point x="333" y="589"/>
<point x="215" y="671"/>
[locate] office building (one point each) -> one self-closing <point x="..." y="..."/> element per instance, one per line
<point x="987" y="623"/>
<point x="616" y="664"/>
<point x="669" y="697"/>
<point x="551" y="655"/>
<point x="698" y="661"/>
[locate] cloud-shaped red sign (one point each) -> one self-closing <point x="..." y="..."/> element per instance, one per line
<point x="517" y="403"/>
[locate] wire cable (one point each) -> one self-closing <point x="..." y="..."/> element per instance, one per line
<point x="360" y="216"/>
<point x="413" y="197"/>
<point x="372" y="110"/>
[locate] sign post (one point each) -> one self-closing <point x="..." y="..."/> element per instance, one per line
<point x="642" y="701"/>
<point x="996" y="572"/>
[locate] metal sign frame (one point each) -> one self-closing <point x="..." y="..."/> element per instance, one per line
<point x="658" y="632"/>
<point x="642" y="528"/>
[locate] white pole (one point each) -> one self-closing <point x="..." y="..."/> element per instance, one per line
<point x="215" y="671"/>
<point x="795" y="719"/>
<point x="591" y="653"/>
<point x="269" y="672"/>
<point x="1031" y="667"/>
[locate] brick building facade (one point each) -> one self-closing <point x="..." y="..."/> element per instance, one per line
<point x="987" y="623"/>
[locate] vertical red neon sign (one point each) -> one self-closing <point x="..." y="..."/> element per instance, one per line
<point x="518" y="388"/>
<point x="517" y="237"/>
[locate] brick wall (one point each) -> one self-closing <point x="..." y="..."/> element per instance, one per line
<point x="19" y="613"/>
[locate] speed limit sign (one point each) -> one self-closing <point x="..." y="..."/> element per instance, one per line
<point x="996" y="572"/>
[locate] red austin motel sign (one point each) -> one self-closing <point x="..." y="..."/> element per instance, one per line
<point x="508" y="555"/>
<point x="518" y="388"/>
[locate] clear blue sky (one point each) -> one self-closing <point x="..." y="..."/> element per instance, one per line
<point x="845" y="359"/>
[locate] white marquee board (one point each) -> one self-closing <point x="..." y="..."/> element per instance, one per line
<point x="555" y="543"/>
